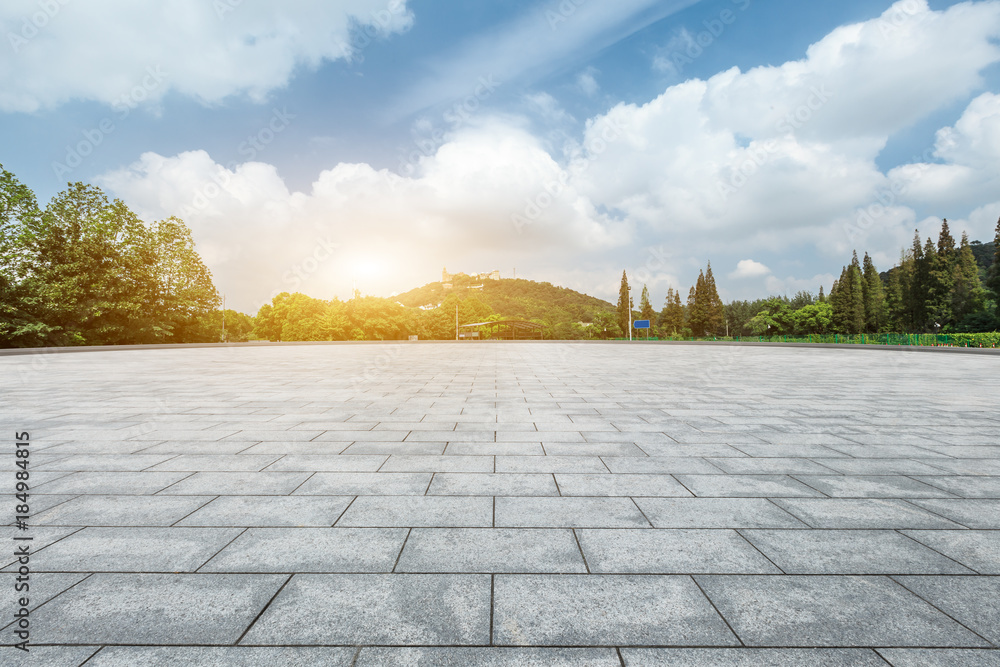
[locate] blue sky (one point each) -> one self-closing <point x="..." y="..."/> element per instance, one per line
<point x="312" y="146"/>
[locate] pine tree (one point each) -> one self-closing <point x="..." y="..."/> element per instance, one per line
<point x="672" y="317"/>
<point x="874" y="298"/>
<point x="967" y="294"/>
<point x="939" y="281"/>
<point x="690" y="311"/>
<point x="857" y="302"/>
<point x="894" y="302"/>
<point x="994" y="278"/>
<point x="918" y="284"/>
<point x="714" y="309"/>
<point x="646" y="311"/>
<point x="821" y="298"/>
<point x="698" y="315"/>
<point x="841" y="303"/>
<point x="946" y="242"/>
<point x="624" y="306"/>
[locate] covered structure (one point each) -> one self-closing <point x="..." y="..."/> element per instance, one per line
<point x="502" y="330"/>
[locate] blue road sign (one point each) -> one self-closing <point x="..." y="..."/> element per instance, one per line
<point x="641" y="324"/>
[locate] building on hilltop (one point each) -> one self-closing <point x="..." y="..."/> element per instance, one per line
<point x="449" y="277"/>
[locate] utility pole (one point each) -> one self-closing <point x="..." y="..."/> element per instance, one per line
<point x="630" y="312"/>
<point x="223" y="318"/>
<point x="456" y="321"/>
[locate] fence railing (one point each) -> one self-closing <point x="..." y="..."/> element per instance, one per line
<point x="984" y="340"/>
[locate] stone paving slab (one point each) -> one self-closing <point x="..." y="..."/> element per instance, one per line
<point x="529" y="503"/>
<point x="395" y="609"/>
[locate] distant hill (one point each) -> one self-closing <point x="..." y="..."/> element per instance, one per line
<point x="525" y="299"/>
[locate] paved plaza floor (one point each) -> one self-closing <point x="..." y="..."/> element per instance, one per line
<point x="506" y="504"/>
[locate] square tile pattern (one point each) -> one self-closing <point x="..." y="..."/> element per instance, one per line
<point x="524" y="504"/>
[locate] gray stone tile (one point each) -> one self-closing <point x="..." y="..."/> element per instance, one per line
<point x="50" y="656"/>
<point x="499" y="484"/>
<point x="42" y="587"/>
<point x="526" y="550"/>
<point x="990" y="467"/>
<point x="103" y="462"/>
<point x="880" y="466"/>
<point x="777" y="466"/>
<point x="133" y="550"/>
<point x="592" y="449"/>
<point x="790" y="451"/>
<point x="598" y="610"/>
<point x="671" y="552"/>
<point x="550" y="464"/>
<point x="495" y="449"/>
<point x="41" y="536"/>
<point x="886" y="451"/>
<point x="182" y="447"/>
<point x="746" y="486"/>
<point x="220" y="463"/>
<point x="219" y="656"/>
<point x="568" y="513"/>
<point x="876" y="486"/>
<point x="310" y="550"/>
<point x="969" y="513"/>
<point x="112" y="483"/>
<point x="787" y="611"/>
<point x="121" y="511"/>
<point x="750" y="657"/>
<point x="286" y="448"/>
<point x="238" y="484"/>
<point x="487" y="657"/>
<point x="967" y="486"/>
<point x="972" y="601"/>
<point x="168" y="609"/>
<point x="419" y="511"/>
<point x="849" y="552"/>
<point x="663" y="486"/>
<point x="275" y="511"/>
<point x="365" y="484"/>
<point x="941" y="657"/>
<point x="401" y="463"/>
<point x="659" y="464"/>
<point x="861" y="513"/>
<point x="397" y="448"/>
<point x="327" y="463"/>
<point x="393" y="609"/>
<point x="716" y="513"/>
<point x="976" y="549"/>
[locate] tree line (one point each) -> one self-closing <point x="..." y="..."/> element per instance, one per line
<point x="85" y="270"/>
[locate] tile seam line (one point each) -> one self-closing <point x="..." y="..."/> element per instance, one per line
<point x="892" y="578"/>
<point x="263" y="609"/>
<point x="223" y="548"/>
<point x="943" y="555"/>
<point x="712" y="602"/>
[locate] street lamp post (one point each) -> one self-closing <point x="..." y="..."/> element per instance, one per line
<point x="630" y="313"/>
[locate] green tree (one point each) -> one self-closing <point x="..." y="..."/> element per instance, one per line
<point x="646" y="311"/>
<point x="994" y="276"/>
<point x="672" y="317"/>
<point x="624" y="306"/>
<point x="815" y="318"/>
<point x="697" y="313"/>
<point x="938" y="280"/>
<point x="917" y="285"/>
<point x="713" y="308"/>
<point x="968" y="295"/>
<point x="847" y="300"/>
<point x="874" y="297"/>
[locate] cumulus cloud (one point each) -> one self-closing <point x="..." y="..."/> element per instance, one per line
<point x="489" y="194"/>
<point x="102" y="50"/>
<point x="768" y="161"/>
<point x="747" y="268"/>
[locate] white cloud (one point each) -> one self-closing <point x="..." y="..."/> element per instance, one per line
<point x="255" y="234"/>
<point x="102" y="50"/>
<point x="744" y="164"/>
<point x="587" y="83"/>
<point x="747" y="268"/>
